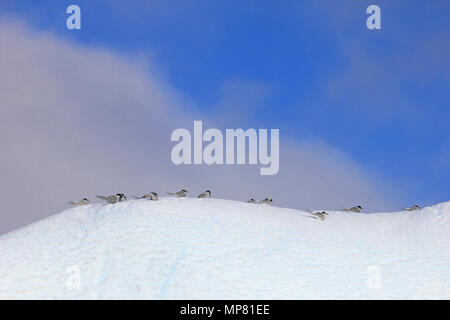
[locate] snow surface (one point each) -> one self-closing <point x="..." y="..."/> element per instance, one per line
<point x="185" y="248"/>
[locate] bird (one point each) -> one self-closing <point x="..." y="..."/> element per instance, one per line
<point x="149" y="196"/>
<point x="122" y="197"/>
<point x="82" y="202"/>
<point x="318" y="215"/>
<point x="413" y="208"/>
<point x="356" y="209"/>
<point x="181" y="193"/>
<point x="111" y="199"/>
<point x="251" y="201"/>
<point x="206" y="194"/>
<point x="266" y="201"/>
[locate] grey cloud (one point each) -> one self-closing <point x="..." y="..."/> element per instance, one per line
<point x="76" y="122"/>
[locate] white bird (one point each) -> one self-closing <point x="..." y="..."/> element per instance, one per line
<point x="266" y="201"/>
<point x="111" y="199"/>
<point x="206" y="194"/>
<point x="251" y="201"/>
<point x="150" y="196"/>
<point x="82" y="202"/>
<point x="181" y="193"/>
<point x="413" y="208"/>
<point x="318" y="215"/>
<point x="356" y="209"/>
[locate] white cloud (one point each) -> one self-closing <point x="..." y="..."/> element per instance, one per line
<point x="78" y="122"/>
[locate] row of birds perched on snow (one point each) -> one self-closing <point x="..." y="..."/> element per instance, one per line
<point x="119" y="197"/>
<point x="357" y="209"/>
<point x="321" y="214"/>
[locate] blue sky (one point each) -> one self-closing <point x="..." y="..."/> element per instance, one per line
<point x="310" y="68"/>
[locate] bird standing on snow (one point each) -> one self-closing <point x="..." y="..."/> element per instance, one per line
<point x="206" y="194"/>
<point x="181" y="193"/>
<point x="82" y="202"/>
<point x="266" y="201"/>
<point x="150" y="196"/>
<point x="356" y="209"/>
<point x="413" y="208"/>
<point x="111" y="199"/>
<point x="318" y="215"/>
<point x="251" y="201"/>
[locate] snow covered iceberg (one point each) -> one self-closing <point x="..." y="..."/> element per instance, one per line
<point x="185" y="248"/>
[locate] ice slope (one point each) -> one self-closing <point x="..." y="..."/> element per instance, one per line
<point x="181" y="248"/>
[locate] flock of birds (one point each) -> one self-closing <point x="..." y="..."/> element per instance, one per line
<point x="119" y="197"/>
<point x="321" y="214"/>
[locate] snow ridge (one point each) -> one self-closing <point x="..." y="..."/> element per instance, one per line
<point x="186" y="248"/>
